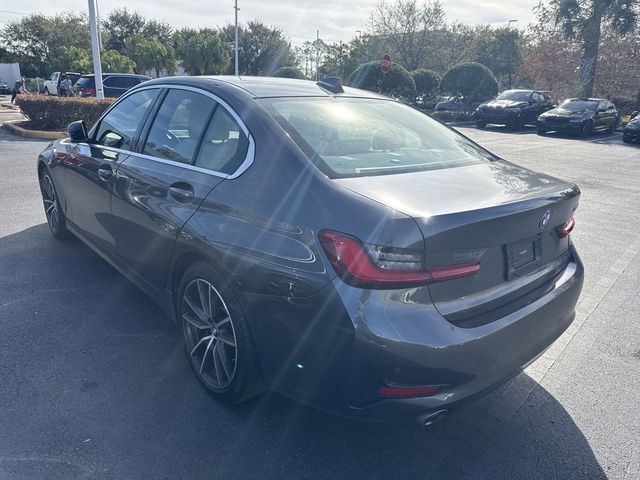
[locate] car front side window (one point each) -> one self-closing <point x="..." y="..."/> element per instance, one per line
<point x="178" y="125"/>
<point x="119" y="127"/>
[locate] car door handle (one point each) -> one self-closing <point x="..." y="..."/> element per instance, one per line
<point x="105" y="173"/>
<point x="182" y="192"/>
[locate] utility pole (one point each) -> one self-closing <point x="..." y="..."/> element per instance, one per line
<point x="95" y="49"/>
<point x="236" y="48"/>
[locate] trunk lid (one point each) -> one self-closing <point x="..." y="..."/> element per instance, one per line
<point x="491" y="214"/>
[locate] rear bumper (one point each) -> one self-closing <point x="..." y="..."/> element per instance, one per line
<point x="498" y="118"/>
<point x="568" y="127"/>
<point x="631" y="135"/>
<point x="338" y="363"/>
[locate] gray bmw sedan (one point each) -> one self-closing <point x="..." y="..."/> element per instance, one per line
<point x="325" y="242"/>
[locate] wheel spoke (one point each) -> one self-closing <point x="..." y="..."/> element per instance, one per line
<point x="204" y="357"/>
<point x="203" y="293"/>
<point x="222" y="322"/>
<point x="195" y="322"/>
<point x="229" y="341"/>
<point x="221" y="351"/>
<point x="215" y="364"/>
<point x="200" y="342"/>
<point x="201" y="314"/>
<point x="51" y="208"/>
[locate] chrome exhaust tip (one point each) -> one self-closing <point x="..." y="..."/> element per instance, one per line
<point x="428" y="420"/>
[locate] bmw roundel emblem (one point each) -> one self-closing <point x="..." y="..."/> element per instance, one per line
<point x="544" y="221"/>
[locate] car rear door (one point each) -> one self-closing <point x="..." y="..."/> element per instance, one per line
<point x="89" y="172"/>
<point x="161" y="186"/>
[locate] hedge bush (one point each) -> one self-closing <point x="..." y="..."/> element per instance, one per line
<point x="55" y="113"/>
<point x="427" y="83"/>
<point x="473" y="81"/>
<point x="396" y="83"/>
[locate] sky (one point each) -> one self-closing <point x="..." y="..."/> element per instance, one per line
<point x="299" y="19"/>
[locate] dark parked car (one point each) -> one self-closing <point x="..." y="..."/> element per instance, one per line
<point x="114" y="84"/>
<point x="580" y="115"/>
<point x="335" y="245"/>
<point x="513" y="108"/>
<point x="632" y="130"/>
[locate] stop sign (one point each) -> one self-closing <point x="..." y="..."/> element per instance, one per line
<point x="385" y="63"/>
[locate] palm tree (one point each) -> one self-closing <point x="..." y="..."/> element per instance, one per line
<point x="584" y="19"/>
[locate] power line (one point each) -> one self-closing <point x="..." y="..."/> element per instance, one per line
<point x="15" y="13"/>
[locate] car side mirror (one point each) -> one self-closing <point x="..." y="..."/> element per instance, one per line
<point x="77" y="131"/>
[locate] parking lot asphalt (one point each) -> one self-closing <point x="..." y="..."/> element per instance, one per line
<point x="94" y="383"/>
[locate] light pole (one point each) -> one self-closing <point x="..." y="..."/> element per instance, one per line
<point x="510" y="22"/>
<point x="236" y="48"/>
<point x="95" y="49"/>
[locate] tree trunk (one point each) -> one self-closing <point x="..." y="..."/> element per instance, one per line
<point x="589" y="61"/>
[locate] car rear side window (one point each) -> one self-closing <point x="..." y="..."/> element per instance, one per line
<point x="224" y="146"/>
<point x="119" y="127"/>
<point x="178" y="126"/>
<point x="351" y="137"/>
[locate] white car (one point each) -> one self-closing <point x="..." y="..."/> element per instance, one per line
<point x="52" y="85"/>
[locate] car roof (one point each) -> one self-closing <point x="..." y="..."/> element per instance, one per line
<point x="585" y="99"/>
<point x="135" y="75"/>
<point x="265" y="87"/>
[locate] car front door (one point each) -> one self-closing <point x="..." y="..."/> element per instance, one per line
<point x="161" y="186"/>
<point x="89" y="172"/>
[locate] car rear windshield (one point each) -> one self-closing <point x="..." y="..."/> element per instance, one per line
<point x="579" y="105"/>
<point x="514" y="95"/>
<point x="85" y="82"/>
<point x="352" y="137"/>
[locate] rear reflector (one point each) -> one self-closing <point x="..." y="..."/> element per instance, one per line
<point x="567" y="228"/>
<point x="398" y="392"/>
<point x="379" y="266"/>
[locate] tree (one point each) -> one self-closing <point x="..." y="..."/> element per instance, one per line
<point x="262" y="49"/>
<point x="38" y="42"/>
<point x="201" y="52"/>
<point x="289" y="72"/>
<point x="75" y="59"/>
<point x="113" y="61"/>
<point x="149" y="53"/>
<point x="473" y="81"/>
<point x="584" y="20"/>
<point x="396" y="83"/>
<point x="406" y="24"/>
<point x="119" y="25"/>
<point x="427" y="83"/>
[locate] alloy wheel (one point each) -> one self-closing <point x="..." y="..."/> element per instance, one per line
<point x="50" y="203"/>
<point x="209" y="334"/>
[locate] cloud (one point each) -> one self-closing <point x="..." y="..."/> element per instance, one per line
<point x="299" y="19"/>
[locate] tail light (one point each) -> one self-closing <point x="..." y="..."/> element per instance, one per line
<point x="567" y="228"/>
<point x="376" y="266"/>
<point x="89" y="91"/>
<point x="407" y="391"/>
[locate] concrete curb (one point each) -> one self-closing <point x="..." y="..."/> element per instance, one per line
<point x="14" y="127"/>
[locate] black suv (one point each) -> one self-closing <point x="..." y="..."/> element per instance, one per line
<point x="114" y="84"/>
<point x="580" y="115"/>
<point x="513" y="108"/>
<point x="632" y="130"/>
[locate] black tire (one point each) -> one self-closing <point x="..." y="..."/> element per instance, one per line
<point x="46" y="91"/>
<point x="55" y="216"/>
<point x="613" y="126"/>
<point x="541" y="131"/>
<point x="587" y="129"/>
<point x="246" y="379"/>
<point x="481" y="123"/>
<point x="517" y="124"/>
<point x="626" y="139"/>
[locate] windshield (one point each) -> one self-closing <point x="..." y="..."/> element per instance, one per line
<point x="85" y="81"/>
<point x="514" y="95"/>
<point x="579" y="105"/>
<point x="350" y="137"/>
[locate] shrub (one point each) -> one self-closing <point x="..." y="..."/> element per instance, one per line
<point x="427" y="83"/>
<point x="289" y="72"/>
<point x="55" y="113"/>
<point x="473" y="81"/>
<point x="396" y="83"/>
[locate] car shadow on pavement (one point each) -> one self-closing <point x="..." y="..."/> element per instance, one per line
<point x="94" y="383"/>
<point x="526" y="130"/>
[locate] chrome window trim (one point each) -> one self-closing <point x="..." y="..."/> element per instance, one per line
<point x="244" y="166"/>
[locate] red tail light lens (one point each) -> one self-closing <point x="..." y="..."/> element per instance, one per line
<point x="376" y="266"/>
<point x="567" y="228"/>
<point x="89" y="91"/>
<point x="400" y="392"/>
